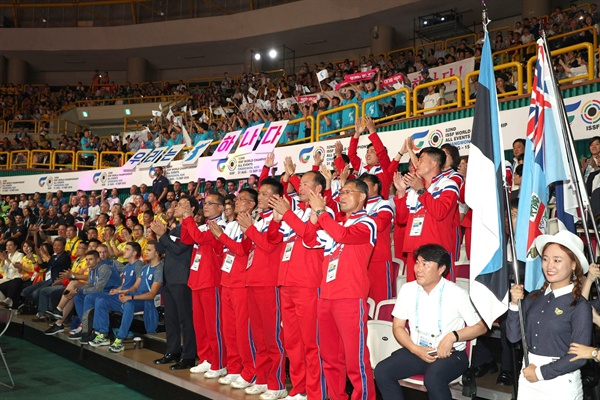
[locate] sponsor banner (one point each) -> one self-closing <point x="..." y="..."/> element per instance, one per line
<point x="583" y="113"/>
<point x="458" y="68"/>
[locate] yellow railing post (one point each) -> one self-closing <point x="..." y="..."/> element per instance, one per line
<point x="87" y="154"/>
<point x="4" y="159"/>
<point x="405" y="113"/>
<point x="320" y="116"/>
<point x="38" y="155"/>
<point x="19" y="159"/>
<point x="106" y="163"/>
<point x="580" y="46"/>
<point x="457" y="103"/>
<point x="519" y="85"/>
<point x="67" y="161"/>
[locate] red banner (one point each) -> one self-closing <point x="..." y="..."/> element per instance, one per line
<point x="357" y="77"/>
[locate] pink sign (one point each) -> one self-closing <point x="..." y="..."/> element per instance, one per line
<point x="226" y="145"/>
<point x="271" y="137"/>
<point x="357" y="77"/>
<point x="248" y="139"/>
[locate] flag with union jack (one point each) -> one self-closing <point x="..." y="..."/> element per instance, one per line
<point x="545" y="163"/>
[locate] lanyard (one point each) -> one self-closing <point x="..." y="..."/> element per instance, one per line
<point x="439" y="309"/>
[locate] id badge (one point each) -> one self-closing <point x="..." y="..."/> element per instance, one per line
<point x="426" y="340"/>
<point x="48" y="275"/>
<point x="332" y="270"/>
<point x="250" y="259"/>
<point x="228" y="263"/>
<point x="287" y="253"/>
<point x="417" y="226"/>
<point x="196" y="262"/>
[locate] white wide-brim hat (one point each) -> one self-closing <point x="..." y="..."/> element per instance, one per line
<point x="567" y="239"/>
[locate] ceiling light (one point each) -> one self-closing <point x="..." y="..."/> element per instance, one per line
<point x="257" y="56"/>
<point x="273" y="53"/>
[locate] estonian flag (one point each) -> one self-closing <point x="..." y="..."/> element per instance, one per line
<point x="484" y="194"/>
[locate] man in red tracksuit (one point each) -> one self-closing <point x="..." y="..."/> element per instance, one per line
<point x="382" y="274"/>
<point x="426" y="202"/>
<point x="342" y="308"/>
<point x="377" y="161"/>
<point x="299" y="279"/>
<point x="204" y="280"/>
<point x="263" y="297"/>
<point x="236" y="328"/>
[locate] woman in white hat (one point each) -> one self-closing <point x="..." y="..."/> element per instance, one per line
<point x="555" y="316"/>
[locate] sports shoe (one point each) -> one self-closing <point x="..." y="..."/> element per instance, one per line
<point x="55" y="313"/>
<point x="240" y="383"/>
<point x="200" y="368"/>
<point x="256" y="389"/>
<point x="296" y="397"/>
<point x="54" y="329"/>
<point x="88" y="338"/>
<point x="76" y="333"/>
<point x="100" y="340"/>
<point x="277" y="394"/>
<point x="215" y="373"/>
<point x="117" y="346"/>
<point x="227" y="379"/>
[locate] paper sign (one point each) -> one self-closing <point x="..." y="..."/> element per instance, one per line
<point x="169" y="155"/>
<point x="248" y="140"/>
<point x="194" y="154"/>
<point x="153" y="157"/>
<point x="271" y="137"/>
<point x="226" y="145"/>
<point x="136" y="159"/>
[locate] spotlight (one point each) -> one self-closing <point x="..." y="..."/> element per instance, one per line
<point x="257" y="56"/>
<point x="443" y="19"/>
<point x="273" y="53"/>
<point x="424" y="22"/>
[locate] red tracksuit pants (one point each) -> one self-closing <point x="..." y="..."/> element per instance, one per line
<point x="343" y="340"/>
<point x="206" y="309"/>
<point x="265" y="320"/>
<point x="299" y="315"/>
<point x="236" y="330"/>
<point x="383" y="280"/>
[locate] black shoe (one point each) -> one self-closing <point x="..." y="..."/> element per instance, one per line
<point x="484" y="369"/>
<point x="185" y="363"/>
<point x="168" y="359"/>
<point x="54" y="329"/>
<point x="504" y="379"/>
<point x="87" y="338"/>
<point x="54" y="313"/>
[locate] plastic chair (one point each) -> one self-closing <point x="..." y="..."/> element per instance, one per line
<point x="380" y="341"/>
<point x="371" y="310"/>
<point x="384" y="309"/>
<point x="5" y="318"/>
<point x="419" y="379"/>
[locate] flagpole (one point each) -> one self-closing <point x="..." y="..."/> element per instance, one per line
<point x="511" y="232"/>
<point x="571" y="157"/>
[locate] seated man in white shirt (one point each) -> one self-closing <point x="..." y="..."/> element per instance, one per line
<point x="442" y="318"/>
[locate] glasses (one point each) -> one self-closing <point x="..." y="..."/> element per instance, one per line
<point x="349" y="191"/>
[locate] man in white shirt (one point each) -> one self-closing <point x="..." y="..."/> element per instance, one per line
<point x="442" y="318"/>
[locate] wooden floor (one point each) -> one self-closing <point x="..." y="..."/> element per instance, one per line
<point x="135" y="367"/>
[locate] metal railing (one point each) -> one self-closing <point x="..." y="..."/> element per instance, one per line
<point x="405" y="113"/>
<point x="321" y="115"/>
<point x="514" y="66"/>
<point x="457" y="103"/>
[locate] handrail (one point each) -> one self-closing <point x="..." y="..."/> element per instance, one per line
<point x="2" y="127"/>
<point x="519" y="85"/>
<point x="35" y="163"/>
<point x="312" y="134"/>
<point x="86" y="153"/>
<point x="405" y="113"/>
<point x="428" y="45"/>
<point x="10" y="128"/>
<point x="131" y="100"/>
<point x="459" y="38"/>
<point x="63" y="165"/>
<point x="576" y="31"/>
<point x="457" y="103"/>
<point x="404" y="49"/>
<point x="4" y="156"/>
<point x="105" y="163"/>
<point x="318" y="135"/>
<point x="19" y="159"/>
<point x="590" y="65"/>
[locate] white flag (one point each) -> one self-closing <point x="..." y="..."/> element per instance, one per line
<point x="322" y="75"/>
<point x="252" y="91"/>
<point x="156" y="113"/>
<point x="184" y="108"/>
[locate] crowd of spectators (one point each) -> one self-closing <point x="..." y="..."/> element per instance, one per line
<point x="228" y="104"/>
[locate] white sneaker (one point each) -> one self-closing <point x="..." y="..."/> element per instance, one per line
<point x="276" y="394"/>
<point x="200" y="368"/>
<point x="240" y="383"/>
<point x="215" y="373"/>
<point x="296" y="397"/>
<point x="256" y="389"/>
<point x="227" y="379"/>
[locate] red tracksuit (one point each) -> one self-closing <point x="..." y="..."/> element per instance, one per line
<point x="342" y="309"/>
<point x="204" y="280"/>
<point x="299" y="279"/>
<point x="381" y="169"/>
<point x="437" y="206"/>
<point x="460" y="181"/>
<point x="240" y="357"/>
<point x="382" y="275"/>
<point x="264" y="305"/>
